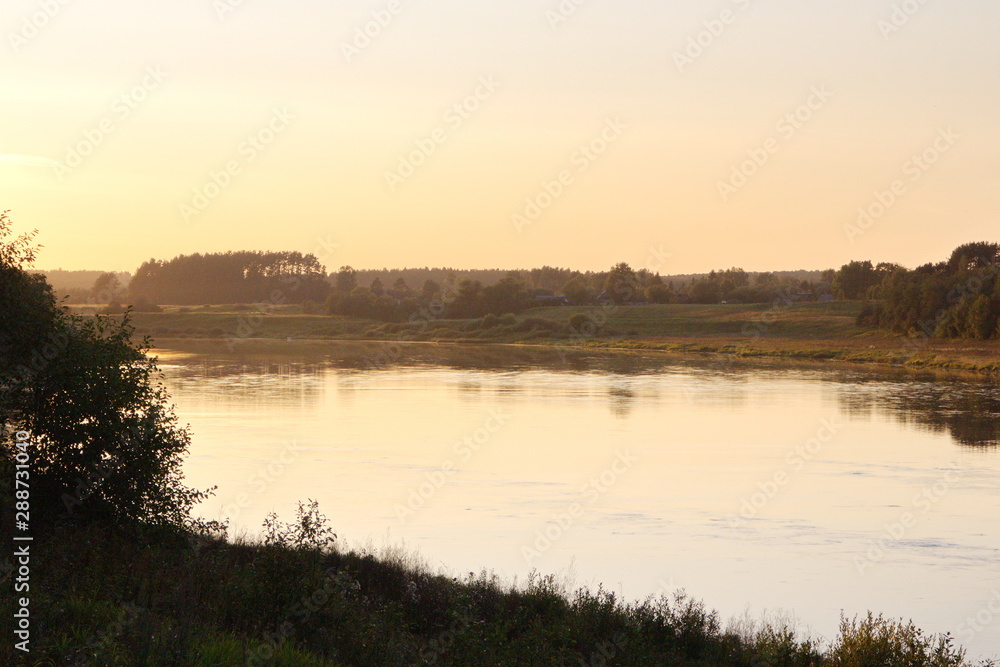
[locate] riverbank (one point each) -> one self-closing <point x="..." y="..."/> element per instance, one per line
<point x="802" y="331"/>
<point x="169" y="597"/>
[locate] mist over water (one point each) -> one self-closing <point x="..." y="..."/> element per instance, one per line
<point x="810" y="489"/>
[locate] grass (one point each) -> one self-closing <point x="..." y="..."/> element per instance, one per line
<point x="798" y="331"/>
<point x="101" y="596"/>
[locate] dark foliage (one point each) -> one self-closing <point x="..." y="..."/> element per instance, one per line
<point x="959" y="298"/>
<point x="232" y="277"/>
<point x="104" y="441"/>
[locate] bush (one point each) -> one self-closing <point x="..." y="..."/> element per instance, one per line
<point x="144" y="305"/>
<point x="869" y="315"/>
<point x="877" y="641"/>
<point x="582" y="324"/>
<point x="308" y="531"/>
<point x="577" y="321"/>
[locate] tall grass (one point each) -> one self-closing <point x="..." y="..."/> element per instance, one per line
<point x="168" y="597"/>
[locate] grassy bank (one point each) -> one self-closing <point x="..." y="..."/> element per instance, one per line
<point x="805" y="331"/>
<point x="165" y="597"/>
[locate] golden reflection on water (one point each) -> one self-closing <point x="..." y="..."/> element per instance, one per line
<point x="763" y="484"/>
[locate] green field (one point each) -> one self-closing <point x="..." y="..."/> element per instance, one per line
<point x="807" y="331"/>
<point x="794" y="320"/>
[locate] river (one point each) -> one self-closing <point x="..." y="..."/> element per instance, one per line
<point x="764" y="489"/>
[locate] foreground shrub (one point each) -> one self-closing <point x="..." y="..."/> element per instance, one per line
<point x="103" y="440"/>
<point x="878" y="641"/>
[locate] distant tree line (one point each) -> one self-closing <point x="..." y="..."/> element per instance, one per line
<point x="516" y="291"/>
<point x="453" y="299"/>
<point x="79" y="286"/>
<point x="957" y="298"/>
<point x="735" y="285"/>
<point x="231" y="277"/>
<point x="545" y="278"/>
<point x="549" y="280"/>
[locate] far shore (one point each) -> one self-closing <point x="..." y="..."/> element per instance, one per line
<point x="808" y="332"/>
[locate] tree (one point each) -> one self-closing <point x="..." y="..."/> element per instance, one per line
<point x="854" y="279"/>
<point x="430" y="290"/>
<point x="232" y="277"/>
<point x="658" y="294"/>
<point x="105" y="441"/>
<point x="578" y="291"/>
<point x="106" y="288"/>
<point x="959" y="298"/>
<point x="971" y="256"/>
<point x="980" y="319"/>
<point x="621" y="284"/>
<point x="347" y="279"/>
<point x="510" y="295"/>
<point x="706" y="291"/>
<point x="766" y="279"/>
<point x="376" y="287"/>
<point x="29" y="316"/>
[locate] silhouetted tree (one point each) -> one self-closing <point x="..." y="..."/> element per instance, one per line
<point x="104" y="441"/>
<point x="232" y="277"/>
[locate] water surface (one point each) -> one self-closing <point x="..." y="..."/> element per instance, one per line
<point x="765" y="487"/>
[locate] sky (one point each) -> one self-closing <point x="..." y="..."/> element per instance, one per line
<point x="677" y="135"/>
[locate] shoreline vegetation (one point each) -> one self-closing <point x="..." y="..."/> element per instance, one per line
<point x="293" y="598"/>
<point x="809" y="331"/>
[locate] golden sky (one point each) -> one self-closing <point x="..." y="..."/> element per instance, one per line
<point x="680" y="136"/>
